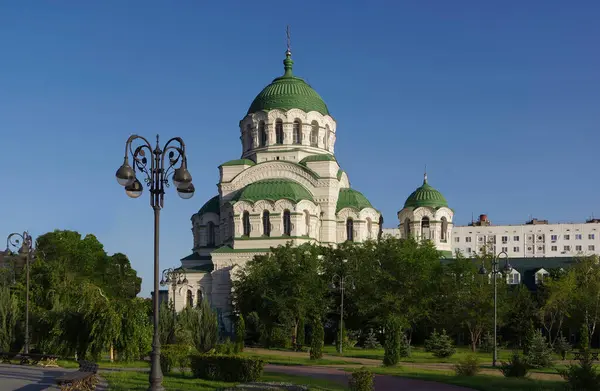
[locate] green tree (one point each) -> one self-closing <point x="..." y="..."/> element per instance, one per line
<point x="206" y="328"/>
<point x="586" y="295"/>
<point x="393" y="331"/>
<point x="316" y="342"/>
<point x="522" y="312"/>
<point x="558" y="299"/>
<point x="240" y="333"/>
<point x="10" y="315"/>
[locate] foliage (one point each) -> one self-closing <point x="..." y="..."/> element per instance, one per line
<point x="487" y="343"/>
<point x="521" y="314"/>
<point x="9" y="319"/>
<point x="226" y="347"/>
<point x="301" y="334"/>
<point x="362" y="380"/>
<point x="135" y="337"/>
<point x="517" y="366"/>
<point x="205" y="328"/>
<point x="240" y="334"/>
<point x="586" y="295"/>
<point x="166" y="323"/>
<point x="174" y="356"/>
<point x="253" y="327"/>
<point x="316" y="343"/>
<point x="562" y="347"/>
<point x="584" y="343"/>
<point x="558" y="294"/>
<point x="468" y="366"/>
<point x="539" y="354"/>
<point x="371" y="341"/>
<point x="391" y="345"/>
<point x="226" y="368"/>
<point x="404" y="348"/>
<point x="582" y="376"/>
<point x="441" y="345"/>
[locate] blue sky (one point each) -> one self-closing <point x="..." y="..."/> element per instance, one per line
<point x="501" y="100"/>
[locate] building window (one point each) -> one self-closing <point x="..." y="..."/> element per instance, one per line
<point x="515" y="238"/>
<point x="314" y="134"/>
<point x="350" y="230"/>
<point x="567" y="237"/>
<point x="505" y="249"/>
<point x="540" y="276"/>
<point x="266" y="219"/>
<point x="326" y="138"/>
<point x="278" y="132"/>
<point x="554" y="248"/>
<point x="591" y="247"/>
<point x="591" y="236"/>
<point x="567" y="248"/>
<point x="513" y="278"/>
<point x="444" y="229"/>
<point x="211" y="234"/>
<point x="504" y="239"/>
<point x="406" y="228"/>
<point x="246" y="223"/>
<point x="457" y="239"/>
<point x="425" y="228"/>
<point x="262" y="132"/>
<point x="577" y="248"/>
<point x="468" y="239"/>
<point x="307" y="222"/>
<point x="469" y="250"/>
<point x="516" y="249"/>
<point x="553" y="237"/>
<point x="297" y="132"/>
<point x="198" y="298"/>
<point x="369" y="227"/>
<point x="287" y="223"/>
<point x="577" y="236"/>
<point x="190" y="298"/>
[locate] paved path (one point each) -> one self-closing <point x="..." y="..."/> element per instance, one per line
<point x="33" y="378"/>
<point x="382" y="383"/>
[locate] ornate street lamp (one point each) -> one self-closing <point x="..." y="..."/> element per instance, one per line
<point x="155" y="171"/>
<point x="23" y="245"/>
<point x="173" y="277"/>
<point x="339" y="281"/>
<point x="495" y="271"/>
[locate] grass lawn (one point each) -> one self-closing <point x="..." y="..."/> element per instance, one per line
<point x="107" y="364"/>
<point x="293" y="360"/>
<point x="136" y="381"/>
<point x="479" y="382"/>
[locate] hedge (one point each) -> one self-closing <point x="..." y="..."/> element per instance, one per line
<point x="226" y="368"/>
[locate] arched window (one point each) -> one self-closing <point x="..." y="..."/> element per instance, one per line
<point x="297" y="132"/>
<point x="425" y="228"/>
<point x="287" y="223"/>
<point x="211" y="234"/>
<point x="406" y="228"/>
<point x="199" y="298"/>
<point x="266" y="219"/>
<point x="369" y="227"/>
<point x="326" y="138"/>
<point x="246" y="223"/>
<point x="262" y="134"/>
<point x="278" y="132"/>
<point x="444" y="229"/>
<point x="190" y="298"/>
<point x="314" y="134"/>
<point x="307" y="222"/>
<point x="350" y="230"/>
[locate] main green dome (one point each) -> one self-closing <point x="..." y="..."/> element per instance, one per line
<point x="425" y="195"/>
<point x="273" y="190"/>
<point x="288" y="92"/>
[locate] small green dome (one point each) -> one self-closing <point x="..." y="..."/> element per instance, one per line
<point x="350" y="198"/>
<point x="288" y="92"/>
<point x="425" y="195"/>
<point x="273" y="190"/>
<point x="211" y="206"/>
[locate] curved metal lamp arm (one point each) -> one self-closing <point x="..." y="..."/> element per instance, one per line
<point x="140" y="160"/>
<point x="19" y="241"/>
<point x="175" y="154"/>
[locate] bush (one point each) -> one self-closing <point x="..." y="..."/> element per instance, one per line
<point x="468" y="366"/>
<point x="362" y="380"/>
<point x="371" y="341"/>
<point x="227" y="347"/>
<point x="226" y="368"/>
<point x="404" y="348"/>
<point x="539" y="354"/>
<point x="391" y="345"/>
<point x="562" y="347"/>
<point x="174" y="356"/>
<point x="517" y="366"/>
<point x="582" y="376"/>
<point x="240" y="334"/>
<point x="276" y="337"/>
<point x="487" y="343"/>
<point x="316" y="343"/>
<point x="205" y="328"/>
<point x="440" y="345"/>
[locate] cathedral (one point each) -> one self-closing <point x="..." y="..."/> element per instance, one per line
<point x="288" y="187"/>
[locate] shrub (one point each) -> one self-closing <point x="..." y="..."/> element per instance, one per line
<point x="316" y="343"/>
<point x="584" y="342"/>
<point x="404" y="348"/>
<point x="539" y="354"/>
<point x="468" y="366"/>
<point x="253" y="328"/>
<point x="517" y="366"/>
<point x="371" y="341"/>
<point x="362" y="380"/>
<point x="240" y="334"/>
<point x="391" y="345"/>
<point x="276" y="337"/>
<point x="440" y="345"/>
<point x="487" y="343"/>
<point x="582" y="376"/>
<point x="562" y="347"/>
<point x="226" y="368"/>
<point x="174" y="356"/>
<point x="227" y="347"/>
<point x="205" y="331"/>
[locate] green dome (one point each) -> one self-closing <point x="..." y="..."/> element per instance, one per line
<point x="288" y="92"/>
<point x="211" y="206"/>
<point x="426" y="196"/>
<point x="273" y="190"/>
<point x="350" y="198"/>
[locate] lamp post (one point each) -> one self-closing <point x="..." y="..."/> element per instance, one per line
<point x="341" y="280"/>
<point x="173" y="277"/>
<point x="155" y="171"/>
<point x="23" y="244"/>
<point x="495" y="271"/>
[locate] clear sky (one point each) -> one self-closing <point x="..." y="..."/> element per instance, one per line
<point x="501" y="100"/>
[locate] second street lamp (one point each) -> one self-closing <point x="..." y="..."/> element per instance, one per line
<point x="23" y="245"/>
<point x="495" y="271"/>
<point x="173" y="277"/>
<point x="155" y="170"/>
<point x="341" y="280"/>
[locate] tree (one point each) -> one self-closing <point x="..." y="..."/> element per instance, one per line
<point x="9" y="319"/>
<point x="522" y="312"/>
<point x="206" y="328"/>
<point x="586" y="295"/>
<point x="558" y="293"/>
<point x="240" y="333"/>
<point x="316" y="342"/>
